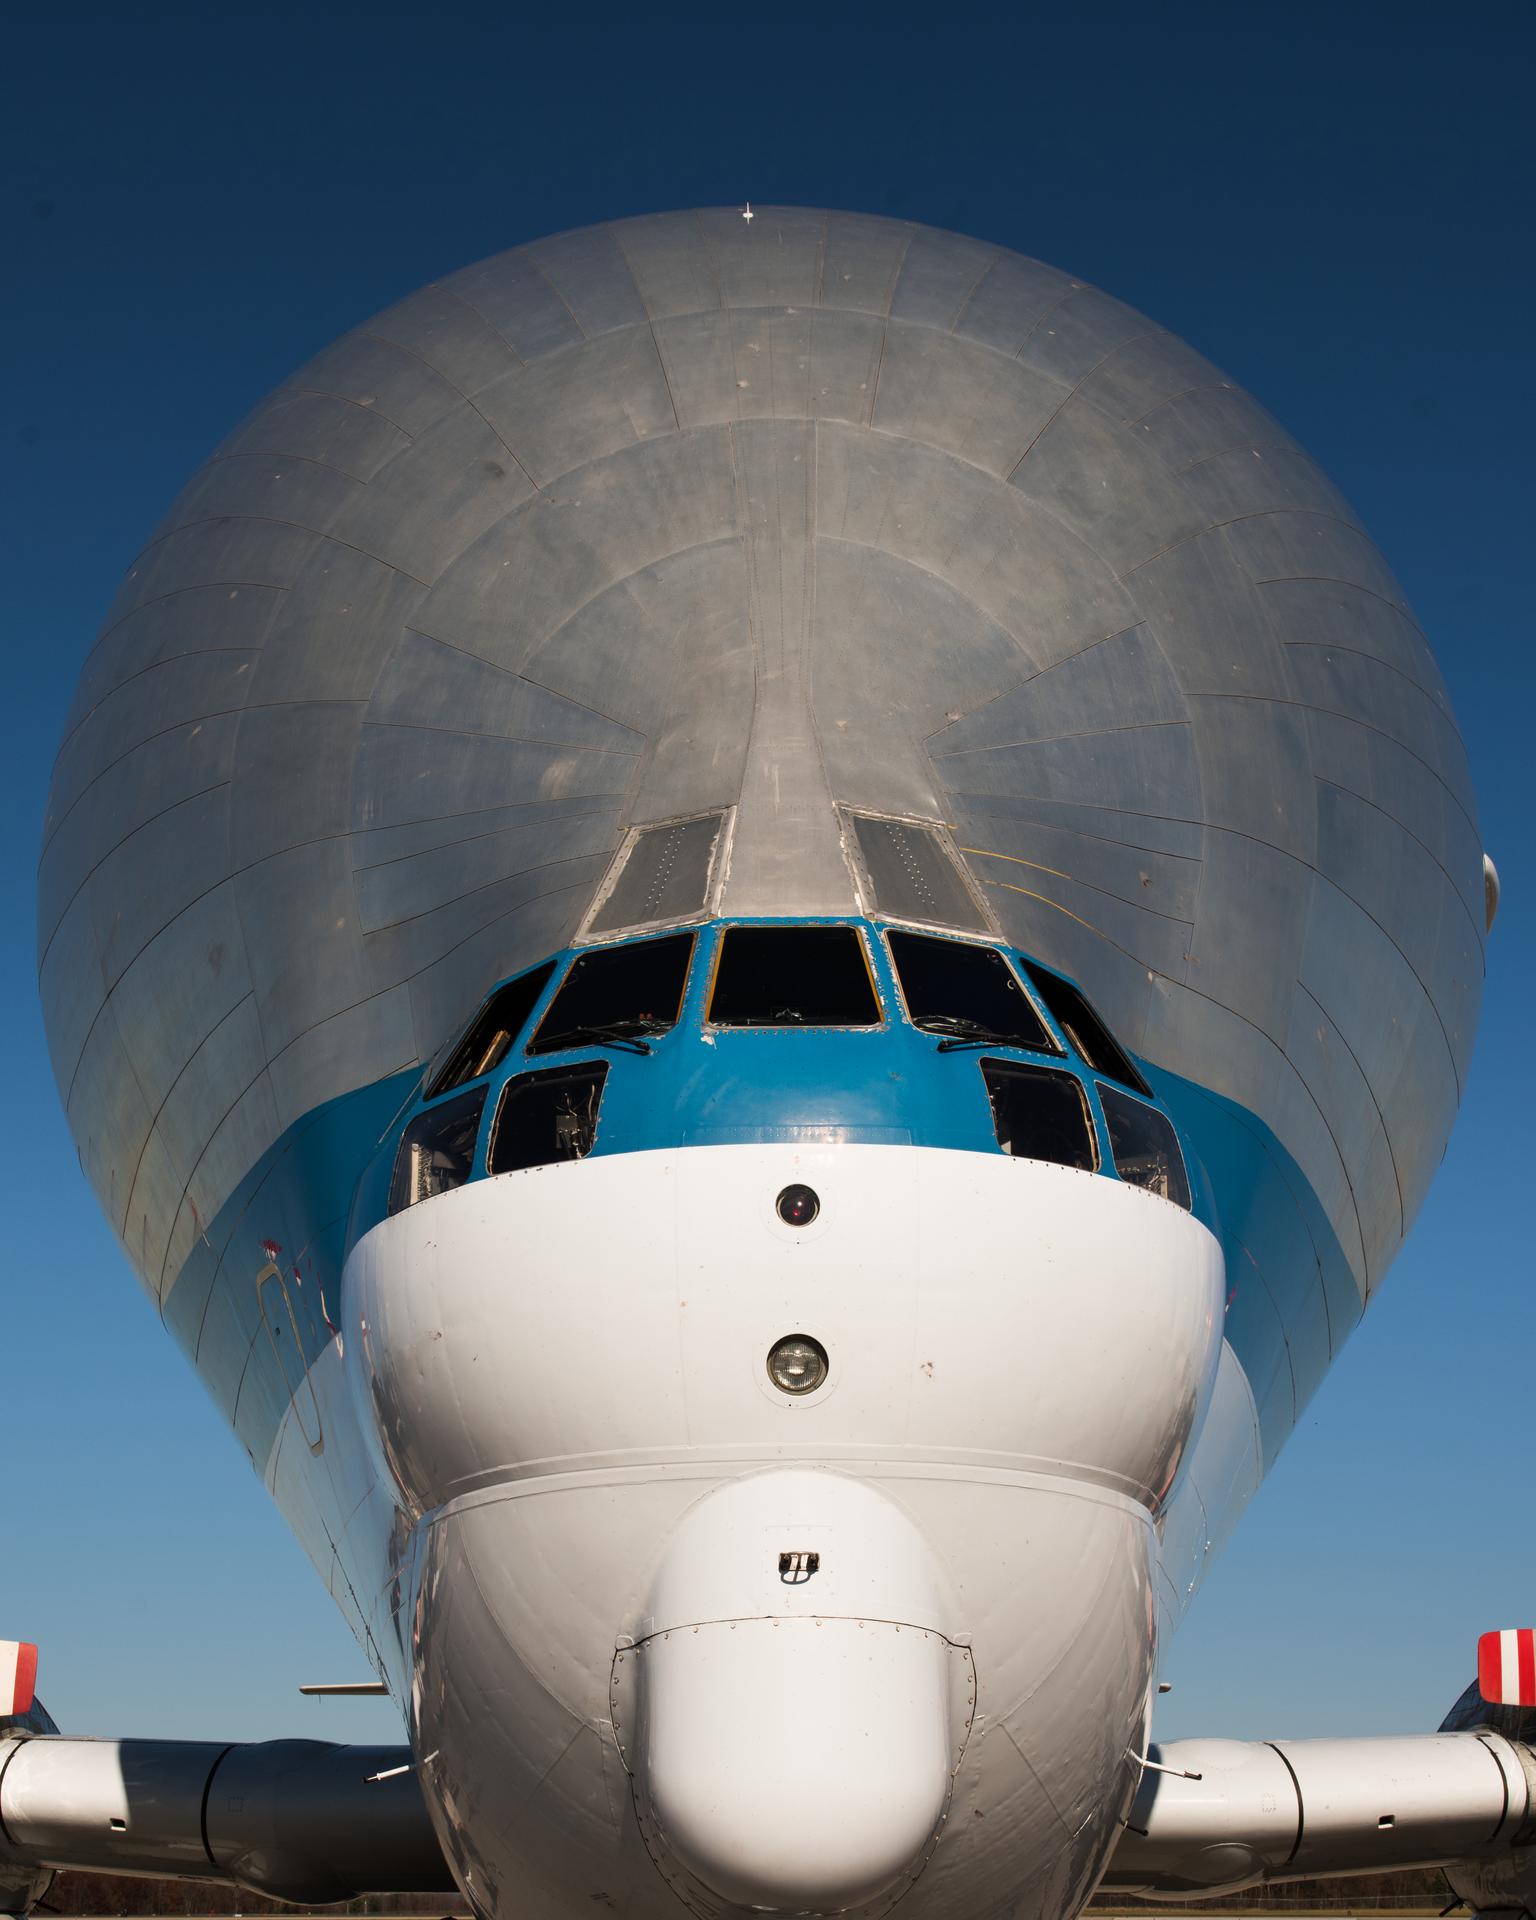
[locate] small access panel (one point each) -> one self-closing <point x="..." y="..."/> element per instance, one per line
<point x="910" y="872"/>
<point x="663" y="874"/>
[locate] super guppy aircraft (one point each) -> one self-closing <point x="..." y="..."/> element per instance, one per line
<point x="760" y="930"/>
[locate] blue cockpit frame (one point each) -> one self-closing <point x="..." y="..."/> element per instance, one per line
<point x="698" y="1084"/>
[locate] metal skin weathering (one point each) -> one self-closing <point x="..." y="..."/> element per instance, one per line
<point x="817" y="580"/>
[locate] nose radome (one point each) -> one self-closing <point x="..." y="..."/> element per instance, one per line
<point x="797" y="1766"/>
<point x="796" y="1738"/>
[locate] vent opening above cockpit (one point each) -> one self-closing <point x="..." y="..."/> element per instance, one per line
<point x="793" y="977"/>
<point x="966" y="992"/>
<point x="662" y="873"/>
<point x="618" y="994"/>
<point x="911" y="872"/>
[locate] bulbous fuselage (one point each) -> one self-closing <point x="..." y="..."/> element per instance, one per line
<point x="725" y="584"/>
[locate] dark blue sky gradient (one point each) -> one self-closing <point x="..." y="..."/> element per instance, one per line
<point x="1335" y="203"/>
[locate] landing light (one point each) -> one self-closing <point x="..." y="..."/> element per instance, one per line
<point x="797" y="1364"/>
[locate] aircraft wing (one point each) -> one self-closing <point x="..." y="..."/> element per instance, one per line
<point x="309" y="1821"/>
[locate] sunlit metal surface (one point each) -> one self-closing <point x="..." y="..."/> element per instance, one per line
<point x="683" y="513"/>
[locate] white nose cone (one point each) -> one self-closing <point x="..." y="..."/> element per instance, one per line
<point x="797" y="1759"/>
<point x="797" y="1767"/>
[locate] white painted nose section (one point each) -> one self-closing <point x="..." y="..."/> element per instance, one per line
<point x="796" y="1744"/>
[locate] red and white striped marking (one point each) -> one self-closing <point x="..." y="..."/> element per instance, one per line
<point x="18" y="1675"/>
<point x="1506" y="1667"/>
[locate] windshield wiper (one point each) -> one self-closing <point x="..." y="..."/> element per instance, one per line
<point x="613" y="1033"/>
<point x="964" y="1032"/>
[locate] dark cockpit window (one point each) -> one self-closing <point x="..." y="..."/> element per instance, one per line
<point x="1145" y="1147"/>
<point x="437" y="1151"/>
<point x="496" y="1026"/>
<point x="547" y="1116"/>
<point x="793" y="977"/>
<point x="965" y="991"/>
<point x="1039" y="1114"/>
<point x="1084" y="1028"/>
<point x="618" y="993"/>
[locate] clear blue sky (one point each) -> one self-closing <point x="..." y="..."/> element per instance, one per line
<point x="1334" y="202"/>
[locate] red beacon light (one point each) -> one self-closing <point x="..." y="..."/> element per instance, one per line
<point x="798" y="1206"/>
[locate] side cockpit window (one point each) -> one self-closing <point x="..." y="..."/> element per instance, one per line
<point x="793" y="977"/>
<point x="1145" y="1146"/>
<point x="496" y="1026"/>
<point x="437" y="1150"/>
<point x="966" y="992"/>
<point x="546" y="1117"/>
<point x="618" y="993"/>
<point x="1083" y="1027"/>
<point x="1039" y="1114"/>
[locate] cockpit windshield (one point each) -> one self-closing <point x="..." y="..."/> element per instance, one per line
<point x="1039" y="1114"/>
<point x="968" y="993"/>
<point x="496" y="1026"/>
<point x="1145" y="1146"/>
<point x="616" y="995"/>
<point x="1084" y="1028"/>
<point x="793" y="977"/>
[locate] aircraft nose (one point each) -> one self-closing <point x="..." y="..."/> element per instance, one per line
<point x="797" y="1765"/>
<point x="797" y="1732"/>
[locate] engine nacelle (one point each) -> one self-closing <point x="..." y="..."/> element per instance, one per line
<point x="299" y="1819"/>
<point x="1216" y="1816"/>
